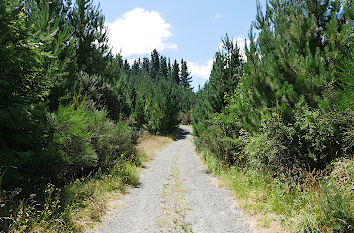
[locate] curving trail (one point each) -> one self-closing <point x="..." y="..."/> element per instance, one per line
<point x="176" y="194"/>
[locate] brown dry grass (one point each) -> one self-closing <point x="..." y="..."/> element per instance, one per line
<point x="151" y="145"/>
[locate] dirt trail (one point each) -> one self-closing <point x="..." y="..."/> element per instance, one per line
<point x="176" y="194"/>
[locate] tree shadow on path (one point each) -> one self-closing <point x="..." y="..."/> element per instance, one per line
<point x="182" y="134"/>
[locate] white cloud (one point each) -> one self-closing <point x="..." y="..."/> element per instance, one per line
<point x="201" y="70"/>
<point x="139" y="32"/>
<point x="218" y="16"/>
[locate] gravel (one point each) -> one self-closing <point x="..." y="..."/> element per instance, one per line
<point x="208" y="208"/>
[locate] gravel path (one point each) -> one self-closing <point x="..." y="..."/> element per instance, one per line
<point x="176" y="194"/>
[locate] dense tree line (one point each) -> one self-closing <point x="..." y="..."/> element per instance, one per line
<point x="290" y="104"/>
<point x="68" y="106"/>
<point x="279" y="124"/>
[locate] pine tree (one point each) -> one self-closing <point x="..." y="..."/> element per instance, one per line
<point x="154" y="64"/>
<point x="52" y="18"/>
<point x="163" y="67"/>
<point x="136" y="67"/>
<point x="289" y="67"/>
<point x="90" y="31"/>
<point x="225" y="74"/>
<point x="169" y="69"/>
<point x="146" y="66"/>
<point x="185" y="78"/>
<point x="24" y="88"/>
<point x="126" y="67"/>
<point x="175" y="73"/>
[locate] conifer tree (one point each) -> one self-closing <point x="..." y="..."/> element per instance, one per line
<point x="163" y="72"/>
<point x="175" y="73"/>
<point x="136" y="67"/>
<point x="185" y="78"/>
<point x="289" y="67"/>
<point x="91" y="34"/>
<point x="225" y="74"/>
<point x="126" y="67"/>
<point x="154" y="64"/>
<point x="169" y="69"/>
<point x="52" y="17"/>
<point x="146" y="66"/>
<point x="24" y="88"/>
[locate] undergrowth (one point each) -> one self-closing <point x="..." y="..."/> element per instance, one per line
<point x="80" y="204"/>
<point x="73" y="208"/>
<point x="324" y="202"/>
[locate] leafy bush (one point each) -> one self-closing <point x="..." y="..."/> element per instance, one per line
<point x="85" y="140"/>
<point x="103" y="94"/>
<point x="314" y="140"/>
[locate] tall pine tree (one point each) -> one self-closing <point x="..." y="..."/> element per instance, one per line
<point x="185" y="78"/>
<point x="175" y="73"/>
<point x="93" y="52"/>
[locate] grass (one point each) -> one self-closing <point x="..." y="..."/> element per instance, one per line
<point x="150" y="145"/>
<point x="321" y="204"/>
<point x="77" y="206"/>
<point x="83" y="202"/>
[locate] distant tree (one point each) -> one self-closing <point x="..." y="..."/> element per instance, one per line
<point x="146" y="66"/>
<point x="154" y="64"/>
<point x="185" y="78"/>
<point x="163" y="67"/>
<point x="136" y="67"/>
<point x="169" y="69"/>
<point x="126" y="67"/>
<point x="175" y="73"/>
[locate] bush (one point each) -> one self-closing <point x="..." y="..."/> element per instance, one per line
<point x="336" y="203"/>
<point x="314" y="140"/>
<point x="103" y="94"/>
<point x="85" y="140"/>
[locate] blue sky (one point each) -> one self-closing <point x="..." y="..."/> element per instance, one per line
<point x="188" y="29"/>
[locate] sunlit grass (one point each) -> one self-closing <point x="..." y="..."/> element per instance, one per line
<point x="319" y="205"/>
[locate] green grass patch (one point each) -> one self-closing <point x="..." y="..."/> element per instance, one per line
<point x="320" y="204"/>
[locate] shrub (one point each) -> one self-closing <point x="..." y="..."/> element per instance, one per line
<point x="103" y="94"/>
<point x="85" y="140"/>
<point x="314" y="140"/>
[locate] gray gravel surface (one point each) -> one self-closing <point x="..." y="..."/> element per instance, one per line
<point x="204" y="208"/>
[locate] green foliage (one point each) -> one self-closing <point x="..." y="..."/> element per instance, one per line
<point x="279" y="108"/>
<point x="321" y="203"/>
<point x="93" y="52"/>
<point x="103" y="94"/>
<point x="155" y="105"/>
<point x="279" y="119"/>
<point x="185" y="78"/>
<point x="85" y="139"/>
<point x="315" y="139"/>
<point x="24" y="131"/>
<point x="70" y="109"/>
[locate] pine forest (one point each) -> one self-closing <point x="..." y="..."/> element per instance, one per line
<point x="275" y="124"/>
